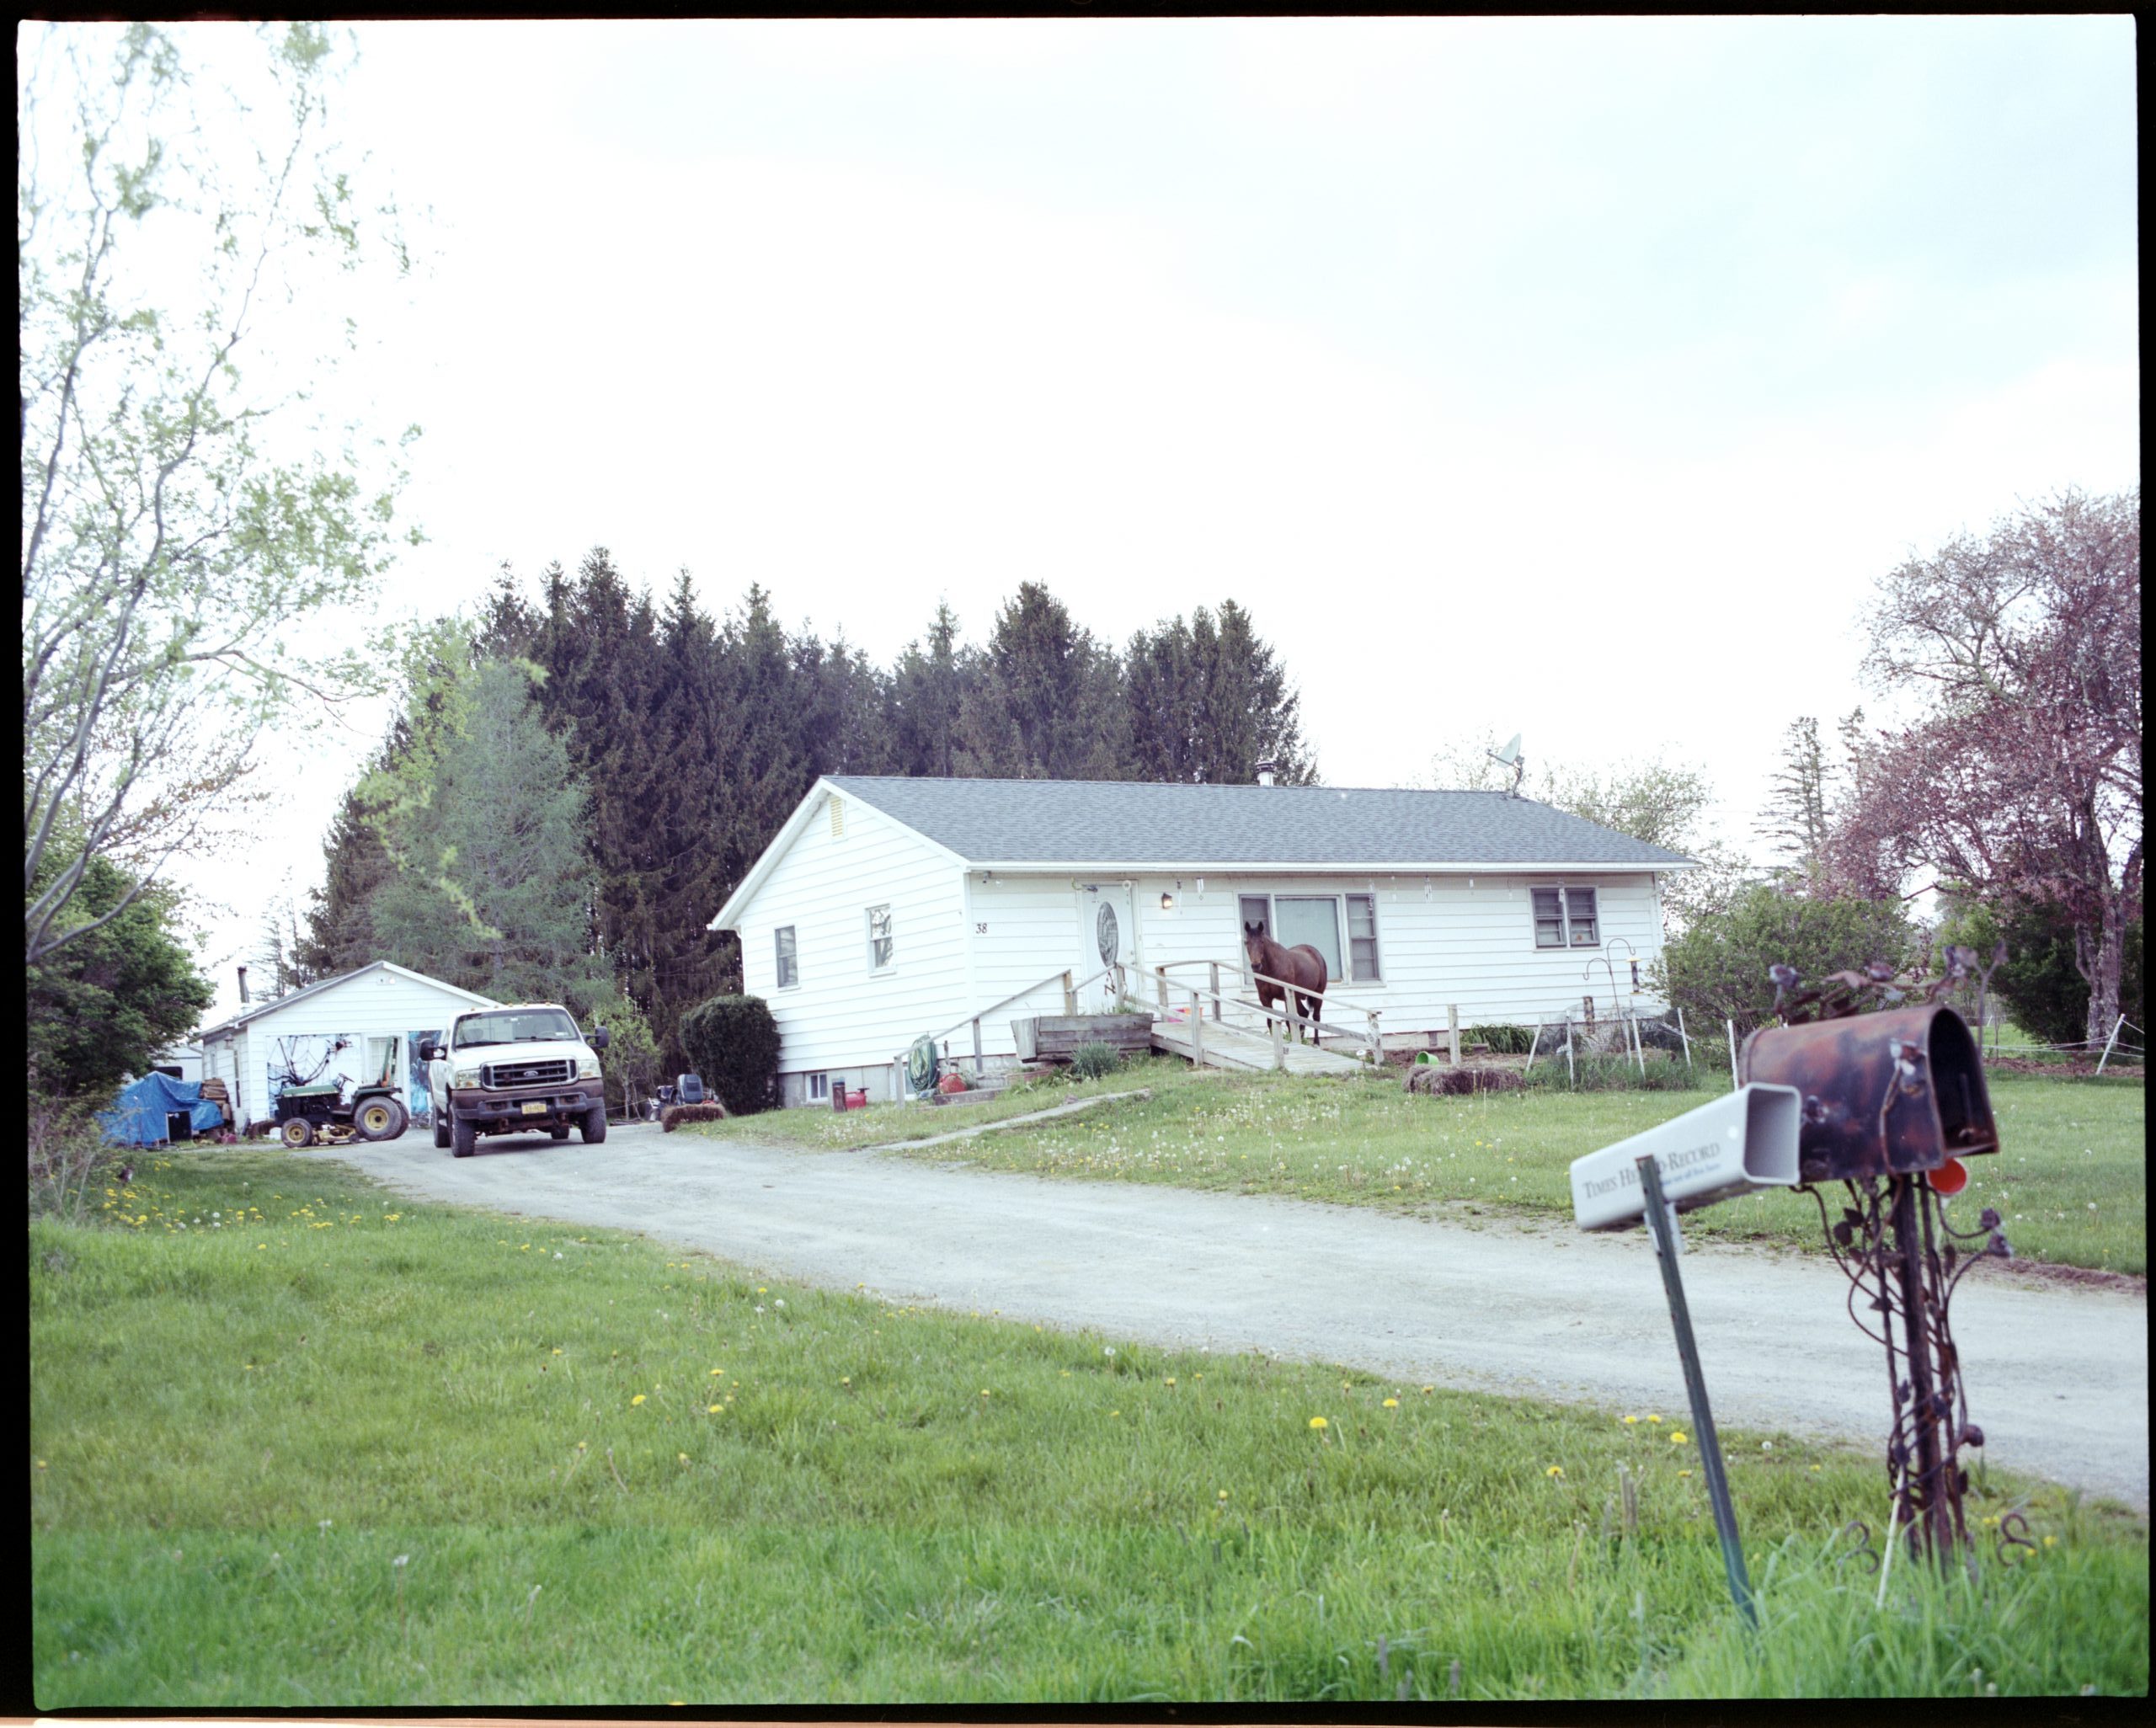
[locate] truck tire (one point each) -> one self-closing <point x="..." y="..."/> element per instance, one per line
<point x="379" y="1117"/>
<point x="594" y="1125"/>
<point x="463" y="1137"/>
<point x="441" y="1131"/>
<point x="297" y="1132"/>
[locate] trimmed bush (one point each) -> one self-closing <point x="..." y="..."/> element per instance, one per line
<point x="732" y="1043"/>
<point x="673" y="1115"/>
<point x="1092" y="1061"/>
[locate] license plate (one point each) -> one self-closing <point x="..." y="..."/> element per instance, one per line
<point x="535" y="1109"/>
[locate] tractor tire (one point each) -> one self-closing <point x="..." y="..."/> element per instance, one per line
<point x="441" y="1132"/>
<point x="558" y="1134"/>
<point x="463" y="1137"/>
<point x="594" y="1125"/>
<point x="379" y="1118"/>
<point x="297" y="1132"/>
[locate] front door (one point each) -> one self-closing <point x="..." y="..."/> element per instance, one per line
<point x="1107" y="935"/>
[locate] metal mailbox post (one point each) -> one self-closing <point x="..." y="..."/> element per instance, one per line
<point x="1735" y="1145"/>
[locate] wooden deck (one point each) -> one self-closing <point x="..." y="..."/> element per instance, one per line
<point x="1233" y="1047"/>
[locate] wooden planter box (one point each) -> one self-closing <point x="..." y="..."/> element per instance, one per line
<point x="1051" y="1038"/>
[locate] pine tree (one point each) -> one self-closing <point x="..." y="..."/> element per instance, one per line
<point x="1794" y="821"/>
<point x="1050" y="706"/>
<point x="928" y="689"/>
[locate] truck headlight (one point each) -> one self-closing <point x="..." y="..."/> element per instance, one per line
<point x="587" y="1067"/>
<point x="465" y="1077"/>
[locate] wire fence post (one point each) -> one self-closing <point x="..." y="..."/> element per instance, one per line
<point x="1531" y="1049"/>
<point x="1685" y="1040"/>
<point x="2109" y="1042"/>
<point x="1731" y="1025"/>
<point x="1571" y="1077"/>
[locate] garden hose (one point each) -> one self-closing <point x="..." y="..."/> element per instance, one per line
<point x="921" y="1065"/>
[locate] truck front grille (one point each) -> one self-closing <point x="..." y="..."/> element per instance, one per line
<point x="526" y="1073"/>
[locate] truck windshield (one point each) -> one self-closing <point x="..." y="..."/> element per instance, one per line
<point x="524" y="1026"/>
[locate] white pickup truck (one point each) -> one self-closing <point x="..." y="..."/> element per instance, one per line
<point x="516" y="1069"/>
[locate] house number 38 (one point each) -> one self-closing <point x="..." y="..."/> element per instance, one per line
<point x="980" y="930"/>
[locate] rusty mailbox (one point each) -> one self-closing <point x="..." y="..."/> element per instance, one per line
<point x="1898" y="1093"/>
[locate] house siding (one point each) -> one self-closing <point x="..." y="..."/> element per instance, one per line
<point x="841" y="1017"/>
<point x="1448" y="942"/>
<point x="374" y="1003"/>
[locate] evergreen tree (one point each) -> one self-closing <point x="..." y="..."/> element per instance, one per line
<point x="1049" y="705"/>
<point x="1794" y="820"/>
<point x="1252" y="712"/>
<point x="494" y="890"/>
<point x="928" y="689"/>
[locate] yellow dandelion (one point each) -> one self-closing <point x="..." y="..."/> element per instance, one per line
<point x="713" y="1410"/>
<point x="1683" y="1473"/>
<point x="1629" y="1420"/>
<point x="1392" y="1404"/>
<point x="1223" y="1492"/>
<point x="1555" y="1470"/>
<point x="1319" y="1422"/>
<point x="2051" y="1542"/>
<point x="681" y="1456"/>
<point x="1654" y="1418"/>
<point x="1676" y="1437"/>
<point x="1171" y="1379"/>
<point x="1115" y="1412"/>
<point x="638" y="1400"/>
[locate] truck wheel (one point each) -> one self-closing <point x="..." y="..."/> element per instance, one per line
<point x="463" y="1137"/>
<point x="297" y="1132"/>
<point x="379" y="1118"/>
<point x="594" y="1125"/>
<point x="441" y="1132"/>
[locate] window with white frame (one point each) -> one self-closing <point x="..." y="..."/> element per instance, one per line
<point x="789" y="967"/>
<point x="1316" y="921"/>
<point x="879" y="938"/>
<point x="1566" y="918"/>
<point x="820" y="1086"/>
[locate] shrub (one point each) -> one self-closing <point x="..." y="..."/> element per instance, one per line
<point x="1503" y="1040"/>
<point x="732" y="1043"/>
<point x="1092" y="1061"/>
<point x="675" y="1115"/>
<point x="2038" y="982"/>
<point x="1717" y="969"/>
<point x="68" y="1156"/>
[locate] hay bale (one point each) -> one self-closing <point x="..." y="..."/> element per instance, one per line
<point x="675" y="1115"/>
<point x="1435" y="1082"/>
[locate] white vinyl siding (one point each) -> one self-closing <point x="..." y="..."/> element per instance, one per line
<point x="840" y="1015"/>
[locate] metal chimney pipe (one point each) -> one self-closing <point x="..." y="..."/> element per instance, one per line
<point x="242" y="987"/>
<point x="1266" y="769"/>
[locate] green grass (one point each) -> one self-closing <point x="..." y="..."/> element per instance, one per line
<point x="2070" y="1181"/>
<point x="238" y="1431"/>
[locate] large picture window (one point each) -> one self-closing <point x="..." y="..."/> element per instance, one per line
<point x="1566" y="918"/>
<point x="1321" y="921"/>
<point x="879" y="938"/>
<point x="789" y="969"/>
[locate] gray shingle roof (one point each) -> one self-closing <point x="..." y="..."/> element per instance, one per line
<point x="1137" y="823"/>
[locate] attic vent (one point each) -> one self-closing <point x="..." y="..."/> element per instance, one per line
<point x="838" y="818"/>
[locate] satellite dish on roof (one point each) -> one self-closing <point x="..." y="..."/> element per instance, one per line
<point x="1511" y="757"/>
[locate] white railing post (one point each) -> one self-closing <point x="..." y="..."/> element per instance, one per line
<point x="977" y="1060"/>
<point x="1279" y="1050"/>
<point x="1070" y="995"/>
<point x="1214" y="966"/>
<point x="1197" y="1032"/>
<point x="1452" y="1030"/>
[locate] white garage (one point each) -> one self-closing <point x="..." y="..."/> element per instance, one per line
<point x="343" y="1027"/>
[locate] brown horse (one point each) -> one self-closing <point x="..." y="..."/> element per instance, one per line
<point x="1302" y="967"/>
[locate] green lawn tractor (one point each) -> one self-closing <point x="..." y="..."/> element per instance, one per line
<point x="317" y="1109"/>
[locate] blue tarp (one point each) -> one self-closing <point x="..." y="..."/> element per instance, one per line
<point x="138" y="1115"/>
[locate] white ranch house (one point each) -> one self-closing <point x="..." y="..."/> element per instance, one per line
<point x="886" y="909"/>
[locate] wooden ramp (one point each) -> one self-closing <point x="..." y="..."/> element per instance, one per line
<point x="1225" y="1046"/>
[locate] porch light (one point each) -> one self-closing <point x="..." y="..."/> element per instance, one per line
<point x="1167" y="903"/>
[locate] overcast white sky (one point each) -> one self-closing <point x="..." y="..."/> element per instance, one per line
<point x="1575" y="378"/>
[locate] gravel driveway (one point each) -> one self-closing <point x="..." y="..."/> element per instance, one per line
<point x="2056" y="1377"/>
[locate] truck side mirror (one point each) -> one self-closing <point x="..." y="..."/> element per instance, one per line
<point x="599" y="1037"/>
<point x="432" y="1053"/>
